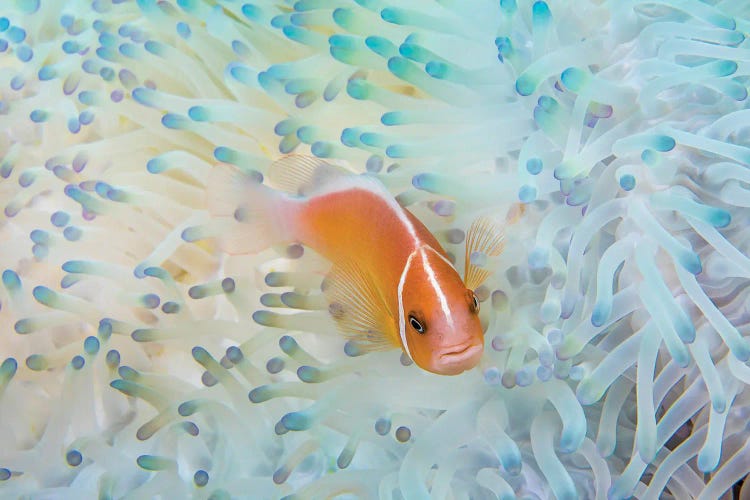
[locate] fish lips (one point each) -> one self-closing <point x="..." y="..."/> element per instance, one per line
<point x="455" y="360"/>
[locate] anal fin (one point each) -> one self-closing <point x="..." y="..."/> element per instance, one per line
<point x="359" y="309"/>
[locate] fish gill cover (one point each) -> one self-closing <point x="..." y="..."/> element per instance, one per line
<point x="137" y="360"/>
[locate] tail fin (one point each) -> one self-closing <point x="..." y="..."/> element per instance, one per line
<point x="258" y="216"/>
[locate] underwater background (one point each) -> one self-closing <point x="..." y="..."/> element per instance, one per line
<point x="139" y="361"/>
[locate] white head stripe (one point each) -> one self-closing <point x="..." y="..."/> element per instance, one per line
<point x="401" y="313"/>
<point x="433" y="281"/>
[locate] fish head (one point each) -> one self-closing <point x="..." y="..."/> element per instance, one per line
<point x="438" y="317"/>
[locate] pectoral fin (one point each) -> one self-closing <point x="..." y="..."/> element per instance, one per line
<point x="359" y="308"/>
<point x="484" y="239"/>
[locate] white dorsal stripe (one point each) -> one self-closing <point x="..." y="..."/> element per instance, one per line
<point x="370" y="183"/>
<point x="393" y="205"/>
<point x="436" y="286"/>
<point x="428" y="247"/>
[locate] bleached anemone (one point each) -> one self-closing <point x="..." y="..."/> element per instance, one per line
<point x="139" y="360"/>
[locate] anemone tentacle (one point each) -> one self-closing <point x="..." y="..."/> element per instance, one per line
<point x="138" y="359"/>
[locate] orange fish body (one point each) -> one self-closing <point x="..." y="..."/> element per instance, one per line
<point x="391" y="284"/>
<point x="394" y="248"/>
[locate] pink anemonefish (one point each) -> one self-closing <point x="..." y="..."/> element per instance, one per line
<point x="391" y="284"/>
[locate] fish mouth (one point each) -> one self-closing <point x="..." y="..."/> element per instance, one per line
<point x="457" y="359"/>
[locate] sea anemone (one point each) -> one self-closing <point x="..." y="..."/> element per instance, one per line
<point x="138" y="360"/>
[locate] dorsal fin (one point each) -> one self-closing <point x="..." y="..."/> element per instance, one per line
<point x="299" y="175"/>
<point x="359" y="309"/>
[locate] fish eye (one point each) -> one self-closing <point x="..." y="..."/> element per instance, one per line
<point x="416" y="324"/>
<point x="474" y="303"/>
